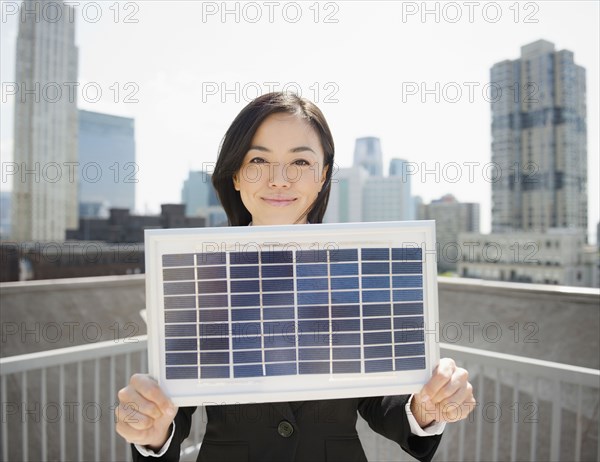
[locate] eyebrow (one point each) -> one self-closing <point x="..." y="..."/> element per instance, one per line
<point x="293" y="150"/>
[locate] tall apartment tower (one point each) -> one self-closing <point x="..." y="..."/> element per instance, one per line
<point x="107" y="170"/>
<point x="45" y="136"/>
<point x="367" y="154"/>
<point x="539" y="136"/>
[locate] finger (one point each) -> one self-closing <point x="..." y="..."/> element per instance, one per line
<point x="149" y="389"/>
<point x="132" y="435"/>
<point x="458" y="380"/>
<point x="129" y="396"/>
<point x="462" y="395"/>
<point x="456" y="413"/>
<point x="441" y="375"/>
<point x="128" y="415"/>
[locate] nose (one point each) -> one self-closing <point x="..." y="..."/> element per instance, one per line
<point x="277" y="176"/>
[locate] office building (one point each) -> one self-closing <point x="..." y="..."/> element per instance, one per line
<point x="107" y="170"/>
<point x="45" y="126"/>
<point x="539" y="135"/>
<point x="200" y="199"/>
<point x="451" y="218"/>
<point x="367" y="154"/>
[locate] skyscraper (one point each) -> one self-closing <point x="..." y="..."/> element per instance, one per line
<point x="45" y="136"/>
<point x="539" y="135"/>
<point x="367" y="154"/>
<point x="200" y="199"/>
<point x="108" y="172"/>
<point x="451" y="218"/>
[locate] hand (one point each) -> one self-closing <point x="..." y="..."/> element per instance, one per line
<point x="446" y="397"/>
<point x="144" y="414"/>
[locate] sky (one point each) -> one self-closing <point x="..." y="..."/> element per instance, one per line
<point x="414" y="74"/>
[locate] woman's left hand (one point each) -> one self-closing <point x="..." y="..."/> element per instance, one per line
<point x="446" y="397"/>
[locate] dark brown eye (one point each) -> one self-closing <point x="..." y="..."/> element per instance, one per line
<point x="257" y="160"/>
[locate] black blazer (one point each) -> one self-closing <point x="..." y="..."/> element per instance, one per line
<point x="323" y="430"/>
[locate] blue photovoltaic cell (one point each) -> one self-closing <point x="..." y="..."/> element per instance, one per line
<point x="243" y="258"/>
<point x="344" y="283"/>
<point x="211" y="272"/>
<point x="311" y="270"/>
<point x="346" y="367"/>
<point x="243" y="272"/>
<point x="277" y="271"/>
<point x="346" y="353"/>
<point x="403" y="309"/>
<point x="375" y="254"/>
<point x="180" y="316"/>
<point x="178" y="274"/>
<point x="344" y="269"/>
<point x="180" y="330"/>
<point x="307" y="312"/>
<point x="406" y="254"/>
<point x="376" y="282"/>
<point x="277" y="256"/>
<point x="178" y="260"/>
<point x="217" y="357"/>
<point x="272" y="356"/>
<point x="345" y="311"/>
<point x="216" y="258"/>
<point x="179" y="288"/>
<point x="377" y="310"/>
<point x="343" y="255"/>
<point x="182" y="372"/>
<point x="180" y="302"/>
<point x="344" y="297"/>
<point x="277" y="285"/>
<point x="406" y="268"/>
<point x="281" y="369"/>
<point x="212" y="287"/>
<point x="208" y="315"/>
<point x="243" y="315"/>
<point x="311" y="256"/>
<point x="278" y="313"/>
<point x="252" y="285"/>
<point x="178" y="359"/>
<point x="312" y="284"/>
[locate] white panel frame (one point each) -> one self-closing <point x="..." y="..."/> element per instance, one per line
<point x="193" y="392"/>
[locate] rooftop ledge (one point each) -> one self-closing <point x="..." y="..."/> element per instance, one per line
<point x="449" y="283"/>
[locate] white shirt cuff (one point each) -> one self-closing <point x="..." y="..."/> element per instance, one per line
<point x="434" y="429"/>
<point x="146" y="452"/>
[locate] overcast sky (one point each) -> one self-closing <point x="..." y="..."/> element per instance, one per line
<point x="183" y="71"/>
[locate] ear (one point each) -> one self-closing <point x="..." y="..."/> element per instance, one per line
<point x="236" y="181"/>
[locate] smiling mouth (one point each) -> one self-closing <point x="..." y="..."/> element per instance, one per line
<point x="278" y="202"/>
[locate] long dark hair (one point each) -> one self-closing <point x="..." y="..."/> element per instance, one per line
<point x="237" y="141"/>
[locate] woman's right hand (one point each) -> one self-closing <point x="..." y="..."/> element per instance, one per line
<point x="144" y="414"/>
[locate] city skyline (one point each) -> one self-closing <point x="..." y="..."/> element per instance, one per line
<point x="180" y="118"/>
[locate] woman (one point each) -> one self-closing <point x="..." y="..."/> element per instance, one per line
<point x="275" y="167"/>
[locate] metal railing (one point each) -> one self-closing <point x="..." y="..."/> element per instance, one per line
<point x="59" y="404"/>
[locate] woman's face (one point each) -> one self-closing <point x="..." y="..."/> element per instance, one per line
<point x="282" y="172"/>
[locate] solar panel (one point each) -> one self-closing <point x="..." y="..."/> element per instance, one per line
<point x="295" y="312"/>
